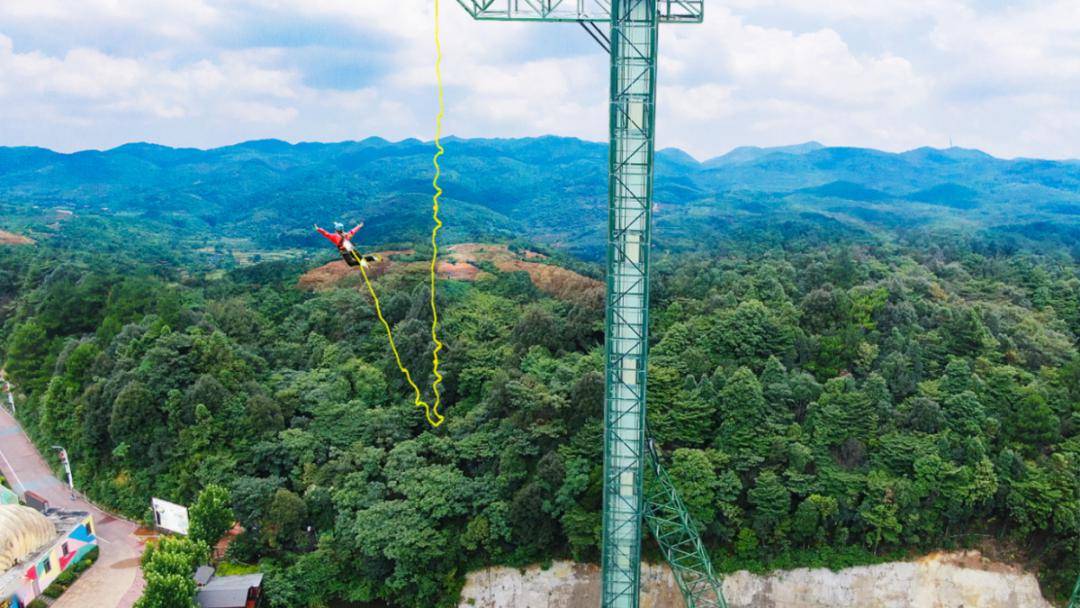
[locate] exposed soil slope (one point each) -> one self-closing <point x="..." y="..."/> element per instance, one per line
<point x="463" y="262"/>
<point x="8" y="238"/>
<point x="552" y="280"/>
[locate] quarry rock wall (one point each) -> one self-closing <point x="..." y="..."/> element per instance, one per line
<point x="940" y="580"/>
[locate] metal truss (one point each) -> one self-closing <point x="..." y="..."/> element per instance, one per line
<point x="634" y="26"/>
<point x="633" y="48"/>
<point x="669" y="11"/>
<point x="674" y="530"/>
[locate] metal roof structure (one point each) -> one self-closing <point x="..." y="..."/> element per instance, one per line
<point x="228" y="591"/>
<point x="14" y="520"/>
<point x="203" y="575"/>
<point x="22" y="531"/>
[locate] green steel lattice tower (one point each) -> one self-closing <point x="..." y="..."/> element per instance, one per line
<point x="633" y="48"/>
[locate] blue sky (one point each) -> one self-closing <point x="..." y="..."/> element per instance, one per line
<point x="890" y="74"/>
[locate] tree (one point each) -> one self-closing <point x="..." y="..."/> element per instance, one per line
<point x="168" y="591"/>
<point x="26" y="356"/>
<point x="964" y="414"/>
<point x="750" y="334"/>
<point x="284" y="519"/>
<point x="772" y="503"/>
<point x="957" y="378"/>
<point x="693" y="475"/>
<point x="537" y="327"/>
<point x="879" y="511"/>
<point x="776" y="390"/>
<point x="842" y="413"/>
<point x="168" y="566"/>
<point x="680" y="410"/>
<point x="211" y="516"/>
<point x="742" y="414"/>
<point x="967" y="336"/>
<point x="136" y="420"/>
<point x="404" y="553"/>
<point x="808" y="524"/>
<point x="1034" y="422"/>
<point x="921" y="414"/>
<point x="905" y="395"/>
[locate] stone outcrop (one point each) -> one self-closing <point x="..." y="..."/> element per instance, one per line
<point x="939" y="580"/>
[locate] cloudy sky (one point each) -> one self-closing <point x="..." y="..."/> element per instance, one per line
<point x="1003" y="76"/>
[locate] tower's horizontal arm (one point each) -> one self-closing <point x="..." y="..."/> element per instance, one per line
<point x="671" y="11"/>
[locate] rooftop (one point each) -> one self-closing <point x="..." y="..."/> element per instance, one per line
<point x="22" y="531"/>
<point x="228" y="591"/>
<point x="30" y="526"/>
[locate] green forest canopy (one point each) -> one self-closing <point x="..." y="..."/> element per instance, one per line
<point x="823" y="395"/>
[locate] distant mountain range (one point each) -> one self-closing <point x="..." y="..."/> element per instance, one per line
<point x="549" y="189"/>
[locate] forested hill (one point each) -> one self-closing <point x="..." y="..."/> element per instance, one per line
<point x="549" y="190"/>
<point x="856" y="356"/>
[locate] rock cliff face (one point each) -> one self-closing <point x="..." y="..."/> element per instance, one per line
<point x="939" y="580"/>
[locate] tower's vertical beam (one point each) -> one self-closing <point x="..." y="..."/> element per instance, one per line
<point x="633" y="89"/>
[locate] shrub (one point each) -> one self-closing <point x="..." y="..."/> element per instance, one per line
<point x="66" y="577"/>
<point x="54" y="591"/>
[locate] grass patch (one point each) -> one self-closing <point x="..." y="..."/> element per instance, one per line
<point x="235" y="569"/>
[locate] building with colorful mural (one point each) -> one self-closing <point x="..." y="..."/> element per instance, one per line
<point x="35" y="548"/>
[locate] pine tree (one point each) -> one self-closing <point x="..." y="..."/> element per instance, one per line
<point x="742" y="415"/>
<point x="957" y="378"/>
<point x="772" y="502"/>
<point x="777" y="393"/>
<point x="965" y="414"/>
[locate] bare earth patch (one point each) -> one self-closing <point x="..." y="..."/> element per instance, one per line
<point x="462" y="262"/>
<point x="552" y="280"/>
<point x="971" y="560"/>
<point x="8" y="238"/>
<point x="330" y="275"/>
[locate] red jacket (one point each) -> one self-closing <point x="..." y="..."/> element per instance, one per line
<point x="336" y="239"/>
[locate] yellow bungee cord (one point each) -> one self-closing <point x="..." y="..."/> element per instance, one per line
<point x="431" y="410"/>
<point x="438" y="223"/>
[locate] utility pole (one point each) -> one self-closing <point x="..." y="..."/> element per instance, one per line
<point x="8" y="387"/>
<point x="11" y="397"/>
<point x="67" y="468"/>
<point x="631" y="43"/>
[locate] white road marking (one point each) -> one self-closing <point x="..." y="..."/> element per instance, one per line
<point x="12" y="469"/>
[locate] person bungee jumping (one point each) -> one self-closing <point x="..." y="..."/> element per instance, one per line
<point x="343" y="241"/>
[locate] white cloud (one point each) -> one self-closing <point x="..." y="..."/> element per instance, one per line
<point x="894" y="11"/>
<point x="892" y="74"/>
<point x="768" y="86"/>
<point x="171" y="19"/>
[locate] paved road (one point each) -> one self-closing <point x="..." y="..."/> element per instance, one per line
<point x="115" y="581"/>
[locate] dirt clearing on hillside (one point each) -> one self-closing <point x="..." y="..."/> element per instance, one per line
<point x="464" y="262"/>
<point x="9" y="238"/>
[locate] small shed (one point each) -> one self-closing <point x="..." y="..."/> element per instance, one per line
<point x="203" y="575"/>
<point x="231" y="592"/>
